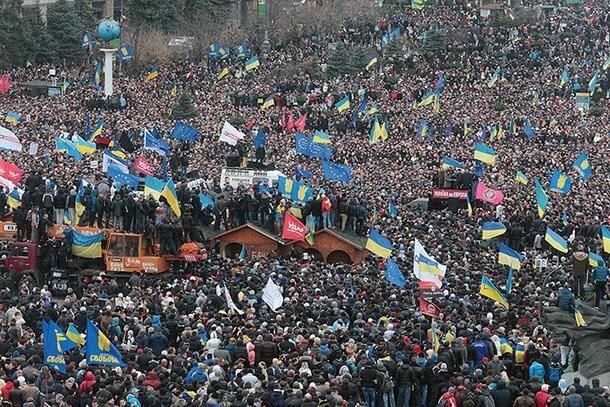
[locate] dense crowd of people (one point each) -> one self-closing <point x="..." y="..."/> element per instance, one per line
<point x="344" y="336"/>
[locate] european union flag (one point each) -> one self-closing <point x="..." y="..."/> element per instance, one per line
<point x="301" y="173"/>
<point x="151" y="143"/>
<point x="131" y="181"/>
<point x="185" y="132"/>
<point x="582" y="166"/>
<point x="100" y="351"/>
<point x="260" y="140"/>
<point x="305" y="145"/>
<point x="392" y="208"/>
<point x="337" y="172"/>
<point x="393" y="274"/>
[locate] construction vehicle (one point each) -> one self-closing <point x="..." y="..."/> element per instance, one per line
<point x="122" y="254"/>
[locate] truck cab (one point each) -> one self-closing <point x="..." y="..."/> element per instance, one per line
<point x="23" y="258"/>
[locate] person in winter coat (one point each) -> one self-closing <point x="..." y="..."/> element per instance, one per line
<point x="152" y="381"/>
<point x="368" y="382"/>
<point x="542" y="396"/>
<point x="524" y="400"/>
<point x="158" y="342"/>
<point x="580" y="266"/>
<point x="404" y="382"/>
<point x="448" y="398"/>
<point x="88" y="383"/>
<point x="574" y="399"/>
<point x="537" y="370"/>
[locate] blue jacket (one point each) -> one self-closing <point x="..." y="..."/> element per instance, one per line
<point x="158" y="343"/>
<point x="600" y="274"/>
<point x="536" y="369"/>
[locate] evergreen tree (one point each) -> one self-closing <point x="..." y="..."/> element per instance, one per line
<point x="41" y="50"/>
<point x="13" y="47"/>
<point x="435" y="42"/>
<point x="145" y="13"/>
<point x="172" y="17"/>
<point x="360" y="59"/>
<point x="339" y="62"/>
<point x="394" y="55"/>
<point x="84" y="10"/>
<point x="63" y="27"/>
<point x="183" y="108"/>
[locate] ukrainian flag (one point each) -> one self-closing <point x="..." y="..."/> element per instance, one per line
<point x="87" y="246"/>
<point x="605" y="238"/>
<point x="99" y="128"/>
<point x="74" y="336"/>
<point x="243" y="254"/>
<point x="85" y="147"/>
<point x="379" y="245"/>
<point x="154" y="187"/>
<point x="580" y="320"/>
<point x="63" y="145"/>
<point x="593" y="82"/>
<point x="428" y="99"/>
<point x="509" y="257"/>
<point x="343" y="104"/>
<point x="152" y="74"/>
<point x="489" y="290"/>
<point x="383" y="131"/>
<point x="556" y="241"/>
<point x="422" y="131"/>
<point x="252" y="63"/>
<point x="14" y="199"/>
<point x="224" y="73"/>
<point x="494" y="78"/>
<point x="418" y="4"/>
<point x="321" y="137"/>
<point x="12" y="117"/>
<point x="67" y="217"/>
<point x="469" y="206"/>
<point x="169" y="193"/>
<point x="375" y="132"/>
<point x="521" y="178"/>
<point x="435" y="340"/>
<point x="595" y="260"/>
<point x="372" y="62"/>
<point x="541" y="199"/>
<point x="268" y="103"/>
<point x="493" y="229"/>
<point x="450" y="162"/>
<point x="428" y="266"/>
<point x="582" y="166"/>
<point x="564" y="77"/>
<point x="484" y="154"/>
<point x="372" y="110"/>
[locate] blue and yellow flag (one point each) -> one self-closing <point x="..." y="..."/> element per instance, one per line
<point x="321" y="137"/>
<point x="541" y="199"/>
<point x="528" y="130"/>
<point x="125" y="53"/>
<point x="270" y="101"/>
<point x="99" y="129"/>
<point x="521" y="178"/>
<point x="86" y="40"/>
<point x="418" y="4"/>
<point x="252" y="63"/>
<point x="484" y="154"/>
<point x="12" y="117"/>
<point x="469" y="205"/>
<point x="87" y="246"/>
<point x="593" y="82"/>
<point x="375" y="133"/>
<point x="152" y="74"/>
<point x="85" y="147"/>
<point x="556" y="241"/>
<point x="343" y="104"/>
<point x="153" y="187"/>
<point x="493" y="229"/>
<point x="427" y="100"/>
<point x="372" y="62"/>
<point x="595" y="260"/>
<point x="379" y="245"/>
<point x="605" y="233"/>
<point x="450" y="162"/>
<point x="14" y="199"/>
<point x="436" y="343"/>
<point x="169" y="193"/>
<point x="582" y="166"/>
<point x="423" y="129"/>
<point x="243" y="254"/>
<point x="99" y="349"/>
<point x="509" y="280"/>
<point x="560" y="182"/>
<point x="55" y="343"/>
<point x="63" y="145"/>
<point x="565" y="78"/>
<point x="392" y="209"/>
<point x="509" y="257"/>
<point x="489" y="290"/>
<point x="580" y="320"/>
<point x="74" y="335"/>
<point x="494" y="78"/>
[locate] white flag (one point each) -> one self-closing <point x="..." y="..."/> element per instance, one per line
<point x="426" y="269"/>
<point x="273" y="295"/>
<point x="230" y="134"/>
<point x="230" y="302"/>
<point x="8" y="140"/>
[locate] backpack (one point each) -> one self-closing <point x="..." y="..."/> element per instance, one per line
<point x="469" y="399"/>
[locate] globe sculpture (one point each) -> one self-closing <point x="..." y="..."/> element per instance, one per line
<point x="108" y="30"/>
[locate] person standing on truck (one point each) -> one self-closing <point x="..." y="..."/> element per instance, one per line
<point x="149" y="231"/>
<point x="71" y="206"/>
<point x="48" y="204"/>
<point x="59" y="203"/>
<point x="33" y="219"/>
<point x="117" y="212"/>
<point x="19" y="217"/>
<point x="164" y="232"/>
